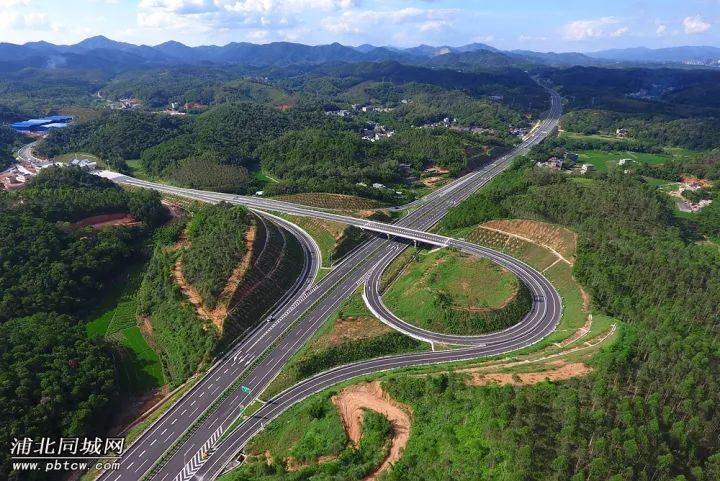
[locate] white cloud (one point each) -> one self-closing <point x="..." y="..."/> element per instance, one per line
<point x="20" y="21"/>
<point x="620" y="32"/>
<point x="695" y="24"/>
<point x="257" y="16"/>
<point x="357" y="21"/>
<point x="13" y="3"/>
<point x="597" y="28"/>
<point x="530" y="38"/>
<point x="661" y="29"/>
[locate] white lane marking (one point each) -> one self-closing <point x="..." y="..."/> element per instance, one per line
<point x="163" y="431"/>
<point x="173" y="421"/>
<point x="153" y="442"/>
<point x="141" y="465"/>
<point x="141" y="454"/>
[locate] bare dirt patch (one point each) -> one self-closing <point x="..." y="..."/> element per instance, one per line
<point x="176" y="210"/>
<point x="102" y="221"/>
<point x="353" y="400"/>
<point x="566" y="371"/>
<point x="585" y="300"/>
<point x="432" y="181"/>
<point x="350" y="328"/>
<point x="562" y="242"/>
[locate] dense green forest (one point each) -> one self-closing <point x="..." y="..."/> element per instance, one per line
<point x="53" y="274"/>
<point x="115" y="136"/>
<point x="691" y="133"/>
<point x="183" y="342"/>
<point x="158" y="88"/>
<point x="9" y="141"/>
<point x="54" y="382"/>
<point x="243" y="129"/>
<point x="217" y="243"/>
<point x="51" y="265"/>
<point x="660" y="107"/>
<point x="69" y="194"/>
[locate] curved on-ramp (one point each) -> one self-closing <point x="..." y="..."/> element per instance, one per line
<point x="534" y="280"/>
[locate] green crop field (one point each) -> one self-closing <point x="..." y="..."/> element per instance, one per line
<point x="140" y="368"/>
<point x="471" y="283"/>
<point x="603" y="160"/>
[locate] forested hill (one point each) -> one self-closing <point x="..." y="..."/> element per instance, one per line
<point x="9" y="141"/>
<point x="55" y="380"/>
<point x="650" y="409"/>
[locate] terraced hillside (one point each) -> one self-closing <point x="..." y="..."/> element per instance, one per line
<point x="276" y="263"/>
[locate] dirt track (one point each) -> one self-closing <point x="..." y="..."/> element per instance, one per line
<point x="565" y="371"/>
<point x="353" y="400"/>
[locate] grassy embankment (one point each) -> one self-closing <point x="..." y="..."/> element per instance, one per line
<point x="333" y="238"/>
<point x="451" y="292"/>
<point x="350" y="334"/>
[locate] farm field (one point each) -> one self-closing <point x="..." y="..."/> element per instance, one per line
<point x="434" y="282"/>
<point x="603" y="160"/>
<point x="139" y="367"/>
<point x="332" y="201"/>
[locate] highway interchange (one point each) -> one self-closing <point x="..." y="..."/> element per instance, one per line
<point x="180" y="438"/>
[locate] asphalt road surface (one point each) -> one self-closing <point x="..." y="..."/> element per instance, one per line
<point x="192" y="427"/>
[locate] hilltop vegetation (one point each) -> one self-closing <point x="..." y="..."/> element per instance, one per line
<point x="9" y="141"/>
<point x="217" y="243"/>
<point x="51" y="266"/>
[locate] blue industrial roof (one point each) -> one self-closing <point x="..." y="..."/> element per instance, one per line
<point x="57" y="118"/>
<point x="51" y="121"/>
<point x="31" y="122"/>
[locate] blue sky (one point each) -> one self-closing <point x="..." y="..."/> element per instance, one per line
<point x="538" y="25"/>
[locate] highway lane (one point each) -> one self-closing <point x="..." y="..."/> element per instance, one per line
<point x="329" y="299"/>
<point x="155" y="440"/>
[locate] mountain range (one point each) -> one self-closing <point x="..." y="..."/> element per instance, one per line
<point x="102" y="53"/>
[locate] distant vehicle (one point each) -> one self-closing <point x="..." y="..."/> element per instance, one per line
<point x="204" y="455"/>
<point x="271" y="318"/>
